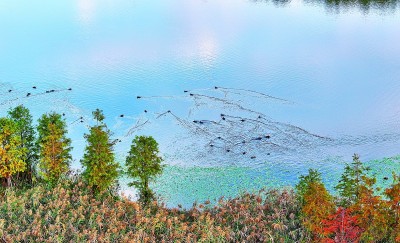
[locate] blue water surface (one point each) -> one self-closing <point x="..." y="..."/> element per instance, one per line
<point x="334" y="69"/>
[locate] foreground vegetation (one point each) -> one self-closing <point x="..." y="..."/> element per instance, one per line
<point x="41" y="201"/>
<point x="71" y="211"/>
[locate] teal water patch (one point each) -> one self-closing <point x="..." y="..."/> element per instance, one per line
<point x="383" y="169"/>
<point x="180" y="185"/>
<point x="186" y="185"/>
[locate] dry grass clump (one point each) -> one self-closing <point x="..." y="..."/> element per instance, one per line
<point x="70" y="212"/>
<point x="268" y="216"/>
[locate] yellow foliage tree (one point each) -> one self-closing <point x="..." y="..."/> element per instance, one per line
<point x="54" y="147"/>
<point x="11" y="154"/>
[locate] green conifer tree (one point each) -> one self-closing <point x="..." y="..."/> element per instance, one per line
<point x="54" y="147"/>
<point x="144" y="164"/>
<point x="350" y="182"/>
<point x="11" y="154"/>
<point x="304" y="183"/>
<point x="23" y="119"/>
<point x="100" y="167"/>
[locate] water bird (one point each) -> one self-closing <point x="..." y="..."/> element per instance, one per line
<point x="267" y="136"/>
<point x="138" y="97"/>
<point x="191" y="94"/>
<point x="243" y="141"/>
<point x="211" y="145"/>
<point x="9" y="91"/>
<point x="122" y="115"/>
<point x="34" y="87"/>
<point x="28" y="94"/>
<point x="244" y="153"/>
<point x="223" y="118"/>
<point x="145" y="111"/>
<point x="385" y="178"/>
<point x="258" y="138"/>
<point x="185" y="91"/>
<point x="252" y="157"/>
<point x="268" y="154"/>
<point x="69" y="89"/>
<point x="63" y="114"/>
<point x="242" y="120"/>
<point x="219" y="137"/>
<point x="215" y="87"/>
<point x="228" y="150"/>
<point x="169" y="111"/>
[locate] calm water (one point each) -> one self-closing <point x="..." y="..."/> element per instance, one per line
<point x="321" y="79"/>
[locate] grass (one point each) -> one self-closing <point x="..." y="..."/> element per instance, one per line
<point x="70" y="212"/>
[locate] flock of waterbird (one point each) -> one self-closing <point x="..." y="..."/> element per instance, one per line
<point x="237" y="129"/>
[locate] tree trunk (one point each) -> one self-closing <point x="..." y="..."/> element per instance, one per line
<point x="9" y="183"/>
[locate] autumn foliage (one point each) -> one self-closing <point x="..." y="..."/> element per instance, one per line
<point x="55" y="206"/>
<point x="54" y="147"/>
<point x="11" y="154"/>
<point x="370" y="216"/>
<point x="341" y="227"/>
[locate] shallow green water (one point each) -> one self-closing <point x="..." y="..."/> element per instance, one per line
<point x="186" y="185"/>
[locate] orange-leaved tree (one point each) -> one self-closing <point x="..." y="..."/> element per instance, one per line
<point x="317" y="204"/>
<point x="393" y="193"/>
<point x="372" y="212"/>
<point x="11" y="154"/>
<point x="342" y="227"/>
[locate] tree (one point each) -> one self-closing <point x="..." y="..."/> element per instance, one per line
<point x="372" y="212"/>
<point x="11" y="154"/>
<point x="143" y="165"/>
<point x="393" y="193"/>
<point x="318" y="206"/>
<point x="54" y="147"/>
<point x="23" y="119"/>
<point x="350" y="182"/>
<point x="342" y="227"/>
<point x="316" y="203"/>
<point x="304" y="183"/>
<point x="100" y="168"/>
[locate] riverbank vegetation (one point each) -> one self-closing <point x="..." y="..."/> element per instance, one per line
<point x="41" y="200"/>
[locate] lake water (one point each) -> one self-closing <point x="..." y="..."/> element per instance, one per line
<point x="272" y="88"/>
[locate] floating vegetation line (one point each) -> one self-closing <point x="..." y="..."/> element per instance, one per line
<point x="238" y="129"/>
<point x="28" y="95"/>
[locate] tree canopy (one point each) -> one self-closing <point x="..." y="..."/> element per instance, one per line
<point x="100" y="167"/>
<point x="54" y="147"/>
<point x="143" y="165"/>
